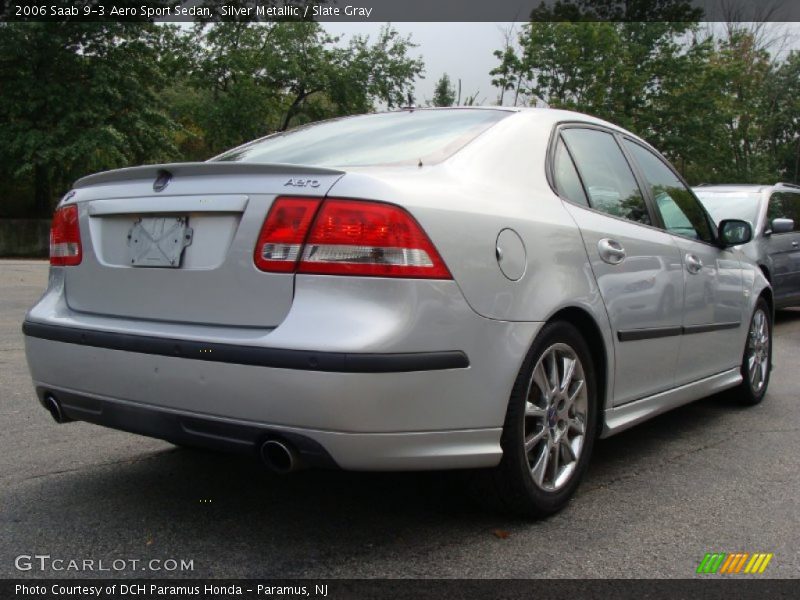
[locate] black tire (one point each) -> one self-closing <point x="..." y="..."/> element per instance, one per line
<point x="749" y="393"/>
<point x="512" y="483"/>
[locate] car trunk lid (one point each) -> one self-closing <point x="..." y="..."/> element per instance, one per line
<point x="184" y="253"/>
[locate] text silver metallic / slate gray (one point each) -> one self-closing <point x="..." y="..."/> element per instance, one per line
<point x="461" y="288"/>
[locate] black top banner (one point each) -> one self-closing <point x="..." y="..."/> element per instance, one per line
<point x="401" y="10"/>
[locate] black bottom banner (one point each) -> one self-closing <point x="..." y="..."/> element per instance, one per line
<point x="444" y="589"/>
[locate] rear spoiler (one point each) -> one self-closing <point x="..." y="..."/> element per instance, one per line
<point x="200" y="168"/>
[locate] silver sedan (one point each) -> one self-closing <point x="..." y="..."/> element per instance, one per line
<point x="490" y="289"/>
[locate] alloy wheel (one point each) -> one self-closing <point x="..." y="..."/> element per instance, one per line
<point x="555" y="417"/>
<point x="758" y="351"/>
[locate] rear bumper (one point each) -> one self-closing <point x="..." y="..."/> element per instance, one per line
<point x="382" y="375"/>
<point x="320" y="449"/>
<point x="353" y="420"/>
<point x="53" y="344"/>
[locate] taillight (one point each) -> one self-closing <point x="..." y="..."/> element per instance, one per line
<point x="352" y="237"/>
<point x="65" y="238"/>
<point x="281" y="239"/>
<point x="347" y="237"/>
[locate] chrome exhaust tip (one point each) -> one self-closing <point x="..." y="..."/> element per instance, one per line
<point x="279" y="457"/>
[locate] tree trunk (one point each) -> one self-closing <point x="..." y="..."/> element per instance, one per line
<point x="292" y="110"/>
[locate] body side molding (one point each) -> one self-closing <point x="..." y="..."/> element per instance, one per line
<point x="632" y="335"/>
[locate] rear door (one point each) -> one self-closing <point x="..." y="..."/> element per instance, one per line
<point x="784" y="248"/>
<point x="637" y="266"/>
<point x="713" y="297"/>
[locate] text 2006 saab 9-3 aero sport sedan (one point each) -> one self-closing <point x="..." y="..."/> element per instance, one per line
<point x="421" y="289"/>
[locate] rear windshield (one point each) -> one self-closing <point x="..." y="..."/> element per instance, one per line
<point x="396" y="138"/>
<point x="730" y="205"/>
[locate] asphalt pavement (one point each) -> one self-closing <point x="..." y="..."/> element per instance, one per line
<point x="707" y="477"/>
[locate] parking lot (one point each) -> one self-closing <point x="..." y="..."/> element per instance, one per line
<point x="707" y="477"/>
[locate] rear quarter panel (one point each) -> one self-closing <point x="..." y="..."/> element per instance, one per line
<point x="497" y="182"/>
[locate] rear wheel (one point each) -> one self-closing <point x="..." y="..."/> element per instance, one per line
<point x="550" y="425"/>
<point x="757" y="359"/>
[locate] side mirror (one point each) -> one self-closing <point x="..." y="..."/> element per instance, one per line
<point x="782" y="225"/>
<point x="733" y="232"/>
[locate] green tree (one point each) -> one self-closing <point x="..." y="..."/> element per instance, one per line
<point x="444" y="94"/>
<point x="783" y="123"/>
<point x="77" y="98"/>
<point x="233" y="96"/>
<point x="82" y="97"/>
<point x="632" y="11"/>
<point x="742" y="70"/>
<point x="570" y="65"/>
<point x="508" y="74"/>
<point x="376" y="72"/>
<point x="253" y="79"/>
<point x="719" y="107"/>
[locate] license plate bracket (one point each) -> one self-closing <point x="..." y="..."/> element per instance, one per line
<point x="158" y="241"/>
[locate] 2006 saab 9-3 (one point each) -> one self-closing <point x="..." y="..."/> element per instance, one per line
<point x="420" y="289"/>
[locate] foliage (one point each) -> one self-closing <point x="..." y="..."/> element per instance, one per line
<point x="508" y="76"/>
<point x="632" y="11"/>
<point x="78" y="98"/>
<point x="720" y="107"/>
<point x="782" y="126"/>
<point x="444" y="94"/>
<point x="259" y="78"/>
<point x="82" y="97"/>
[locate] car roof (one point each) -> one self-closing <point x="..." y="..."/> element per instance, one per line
<point x="555" y="115"/>
<point x="731" y="187"/>
<point x="546" y="117"/>
<point x="752" y="188"/>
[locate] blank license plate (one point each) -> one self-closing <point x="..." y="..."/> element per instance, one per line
<point x="158" y="241"/>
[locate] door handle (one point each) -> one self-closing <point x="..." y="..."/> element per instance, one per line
<point x="795" y="244"/>
<point x="693" y="264"/>
<point x="611" y="251"/>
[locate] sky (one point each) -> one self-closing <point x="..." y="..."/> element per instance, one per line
<point x="464" y="50"/>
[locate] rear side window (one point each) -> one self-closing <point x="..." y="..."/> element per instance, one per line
<point x="567" y="181"/>
<point x="605" y="172"/>
<point x="396" y="138"/>
<point x="680" y="210"/>
<point x="784" y="205"/>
